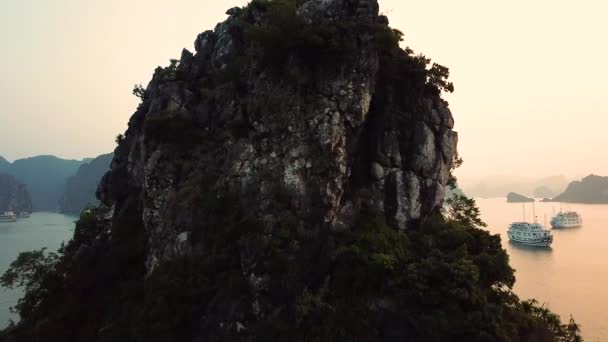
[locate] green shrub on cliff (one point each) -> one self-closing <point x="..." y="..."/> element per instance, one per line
<point x="139" y="91"/>
<point x="90" y="290"/>
<point x="287" y="38"/>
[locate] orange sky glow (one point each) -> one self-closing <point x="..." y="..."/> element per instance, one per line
<point x="529" y="76"/>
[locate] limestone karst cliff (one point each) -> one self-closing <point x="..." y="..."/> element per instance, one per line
<point x="365" y="131"/>
<point x="282" y="183"/>
<point x="13" y="195"/>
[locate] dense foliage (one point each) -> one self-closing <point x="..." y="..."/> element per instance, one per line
<point x="299" y="50"/>
<point x="446" y="281"/>
<point x="285" y="35"/>
<point x="89" y="290"/>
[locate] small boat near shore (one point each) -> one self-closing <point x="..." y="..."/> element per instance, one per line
<point x="8" y="216"/>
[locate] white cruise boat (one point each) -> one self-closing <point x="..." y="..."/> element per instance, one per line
<point x="8" y="216"/>
<point x="531" y="234"/>
<point x="568" y="219"/>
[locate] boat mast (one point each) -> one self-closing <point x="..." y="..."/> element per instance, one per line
<point x="523" y="205"/>
<point x="534" y="212"/>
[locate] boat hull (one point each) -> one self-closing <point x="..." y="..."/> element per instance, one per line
<point x="565" y="225"/>
<point x="541" y="242"/>
<point x="2" y="220"/>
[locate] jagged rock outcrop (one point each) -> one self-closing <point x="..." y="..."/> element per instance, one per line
<point x="80" y="189"/>
<point x="306" y="136"/>
<point x="13" y="195"/>
<point x="591" y="189"/>
<point x="513" y="197"/>
<point x="365" y="133"/>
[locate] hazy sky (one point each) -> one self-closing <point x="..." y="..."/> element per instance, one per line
<point x="530" y="76"/>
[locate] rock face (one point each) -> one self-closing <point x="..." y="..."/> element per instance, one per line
<point x="517" y="198"/>
<point x="80" y="188"/>
<point x="13" y="196"/>
<point x="591" y="189"/>
<point x="363" y="134"/>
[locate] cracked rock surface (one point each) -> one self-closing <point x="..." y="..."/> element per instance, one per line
<point x="364" y="134"/>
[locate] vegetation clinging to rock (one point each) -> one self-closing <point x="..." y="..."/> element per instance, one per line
<point x="446" y="281"/>
<point x="242" y="276"/>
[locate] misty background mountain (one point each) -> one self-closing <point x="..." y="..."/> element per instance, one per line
<point x="13" y="195"/>
<point x="4" y="164"/>
<point x="80" y="188"/>
<point x="46" y="179"/>
<point x="500" y="186"/>
<point x="591" y="189"/>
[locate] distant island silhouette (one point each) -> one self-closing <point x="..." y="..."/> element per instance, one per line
<point x="591" y="189"/>
<point x="513" y="197"/>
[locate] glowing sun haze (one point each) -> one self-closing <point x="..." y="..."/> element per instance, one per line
<point x="529" y="75"/>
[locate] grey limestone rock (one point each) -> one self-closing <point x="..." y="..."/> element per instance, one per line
<point x="291" y="143"/>
<point x="365" y="135"/>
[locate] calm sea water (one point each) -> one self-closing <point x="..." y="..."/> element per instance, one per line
<point x="571" y="277"/>
<point x="40" y="230"/>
